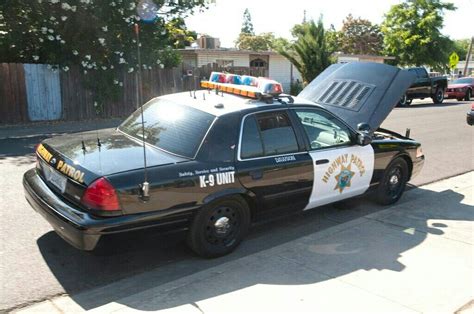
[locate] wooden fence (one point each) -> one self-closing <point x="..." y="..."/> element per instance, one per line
<point x="13" y="103"/>
<point x="36" y="96"/>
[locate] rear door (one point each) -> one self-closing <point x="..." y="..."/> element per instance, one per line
<point x="341" y="168"/>
<point x="272" y="161"/>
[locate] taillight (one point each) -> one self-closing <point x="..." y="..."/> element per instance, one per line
<point x="101" y="195"/>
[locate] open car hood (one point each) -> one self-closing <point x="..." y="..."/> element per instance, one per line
<point x="359" y="92"/>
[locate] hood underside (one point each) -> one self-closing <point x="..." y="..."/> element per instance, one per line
<point x="359" y="92"/>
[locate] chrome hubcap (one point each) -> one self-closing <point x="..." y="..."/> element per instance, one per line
<point x="222" y="225"/>
<point x="393" y="180"/>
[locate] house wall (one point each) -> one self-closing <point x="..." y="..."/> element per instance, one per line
<point x="280" y="70"/>
<point x="189" y="60"/>
<point x="240" y="59"/>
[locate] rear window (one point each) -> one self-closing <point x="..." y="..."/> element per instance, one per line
<point x="172" y="127"/>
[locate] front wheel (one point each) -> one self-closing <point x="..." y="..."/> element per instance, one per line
<point x="438" y="97"/>
<point x="219" y="227"/>
<point x="404" y="101"/>
<point x="393" y="183"/>
<point x="468" y="95"/>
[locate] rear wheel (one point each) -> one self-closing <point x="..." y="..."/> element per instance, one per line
<point x="393" y="182"/>
<point x="468" y="95"/>
<point x="219" y="227"/>
<point x="438" y="97"/>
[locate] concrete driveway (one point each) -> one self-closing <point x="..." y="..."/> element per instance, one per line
<point x="416" y="256"/>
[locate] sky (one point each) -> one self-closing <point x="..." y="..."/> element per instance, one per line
<point x="224" y="18"/>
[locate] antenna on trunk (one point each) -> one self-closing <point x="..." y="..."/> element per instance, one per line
<point x="145" y="186"/>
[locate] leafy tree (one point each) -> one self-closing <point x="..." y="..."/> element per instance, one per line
<point x="412" y="33"/>
<point x="333" y="39"/>
<point x="247" y="25"/>
<point x="97" y="36"/>
<point x="309" y="53"/>
<point x="460" y="46"/>
<point x="260" y="42"/>
<point x="360" y="36"/>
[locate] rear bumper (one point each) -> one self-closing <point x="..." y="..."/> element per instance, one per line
<point x="68" y="222"/>
<point x="83" y="230"/>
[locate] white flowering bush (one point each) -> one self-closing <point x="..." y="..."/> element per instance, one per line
<point x="95" y="35"/>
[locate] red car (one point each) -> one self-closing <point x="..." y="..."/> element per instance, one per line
<point x="461" y="89"/>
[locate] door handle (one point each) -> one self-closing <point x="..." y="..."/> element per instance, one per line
<point x="256" y="174"/>
<point x="321" y="161"/>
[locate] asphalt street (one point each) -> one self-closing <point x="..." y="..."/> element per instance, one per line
<point x="36" y="264"/>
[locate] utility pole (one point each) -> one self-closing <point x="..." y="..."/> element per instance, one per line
<point x="468" y="57"/>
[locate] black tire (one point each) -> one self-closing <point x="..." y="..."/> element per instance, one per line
<point x="438" y="97"/>
<point x="404" y="101"/>
<point x="208" y="239"/>
<point x="468" y="95"/>
<point x="393" y="183"/>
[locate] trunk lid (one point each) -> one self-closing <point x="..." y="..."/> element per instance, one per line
<point x="359" y="92"/>
<point x="68" y="169"/>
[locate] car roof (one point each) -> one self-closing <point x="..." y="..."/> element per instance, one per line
<point x="224" y="103"/>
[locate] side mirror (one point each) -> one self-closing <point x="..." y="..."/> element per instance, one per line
<point x="364" y="139"/>
<point x="363" y="127"/>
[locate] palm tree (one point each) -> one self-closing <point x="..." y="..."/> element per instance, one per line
<point x="309" y="53"/>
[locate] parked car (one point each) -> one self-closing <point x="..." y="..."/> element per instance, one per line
<point x="220" y="158"/>
<point x="424" y="87"/>
<point x="470" y="115"/>
<point x="461" y="89"/>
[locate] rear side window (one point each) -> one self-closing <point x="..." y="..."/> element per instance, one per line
<point x="268" y="134"/>
<point x="175" y="128"/>
<point x="251" y="146"/>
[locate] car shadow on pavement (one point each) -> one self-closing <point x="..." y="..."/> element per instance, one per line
<point x="160" y="263"/>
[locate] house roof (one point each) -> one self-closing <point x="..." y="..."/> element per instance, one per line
<point x="364" y="56"/>
<point x="225" y="51"/>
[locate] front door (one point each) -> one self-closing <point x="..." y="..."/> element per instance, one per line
<point x="342" y="169"/>
<point x="272" y="163"/>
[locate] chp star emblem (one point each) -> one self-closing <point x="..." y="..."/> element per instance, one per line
<point x="344" y="177"/>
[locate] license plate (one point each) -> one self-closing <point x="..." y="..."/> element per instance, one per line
<point x="55" y="178"/>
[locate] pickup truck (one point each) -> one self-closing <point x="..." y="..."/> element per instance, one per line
<point x="424" y="87"/>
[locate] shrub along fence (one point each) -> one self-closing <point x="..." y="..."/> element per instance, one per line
<point x="35" y="92"/>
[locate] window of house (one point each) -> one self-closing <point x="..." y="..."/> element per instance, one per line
<point x="225" y="63"/>
<point x="258" y="63"/>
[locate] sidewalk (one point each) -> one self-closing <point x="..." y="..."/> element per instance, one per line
<point x="416" y="256"/>
<point x="55" y="127"/>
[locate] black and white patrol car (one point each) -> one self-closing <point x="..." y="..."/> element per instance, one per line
<point x="217" y="161"/>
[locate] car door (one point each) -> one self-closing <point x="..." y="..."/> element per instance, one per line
<point x="341" y="168"/>
<point x="272" y="161"/>
<point x="424" y="83"/>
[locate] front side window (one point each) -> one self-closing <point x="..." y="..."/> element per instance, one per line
<point x="175" y="128"/>
<point x="267" y="134"/>
<point x="323" y="129"/>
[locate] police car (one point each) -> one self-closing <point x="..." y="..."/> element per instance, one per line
<point x="215" y="160"/>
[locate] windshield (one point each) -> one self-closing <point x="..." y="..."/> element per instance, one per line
<point x="169" y="126"/>
<point x="463" y="81"/>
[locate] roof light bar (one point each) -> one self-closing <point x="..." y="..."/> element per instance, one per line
<point x="243" y="85"/>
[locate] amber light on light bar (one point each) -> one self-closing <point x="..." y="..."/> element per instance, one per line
<point x="230" y="88"/>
